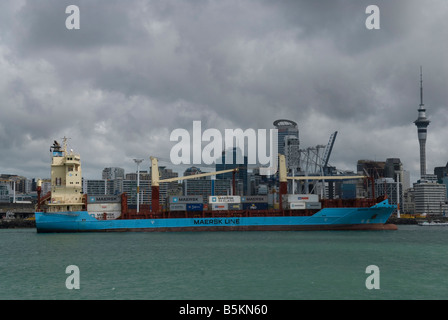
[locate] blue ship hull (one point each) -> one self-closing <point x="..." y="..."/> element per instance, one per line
<point x="371" y="218"/>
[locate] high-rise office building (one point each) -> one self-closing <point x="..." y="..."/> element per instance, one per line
<point x="292" y="153"/>
<point x="232" y="155"/>
<point x="207" y="187"/>
<point x="113" y="173"/>
<point x="441" y="172"/>
<point x="285" y="128"/>
<point x="193" y="171"/>
<point x="375" y="169"/>
<point x="430" y="198"/>
<point x="388" y="187"/>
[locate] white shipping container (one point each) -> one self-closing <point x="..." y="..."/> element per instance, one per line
<point x="254" y="199"/>
<point x="178" y="206"/>
<point x="297" y="205"/>
<point x="103" y="199"/>
<point x="313" y="205"/>
<point x="224" y="199"/>
<point x="302" y="197"/>
<point x="104" y="207"/>
<point x="109" y="215"/>
<point x="219" y="206"/>
<point x="186" y="199"/>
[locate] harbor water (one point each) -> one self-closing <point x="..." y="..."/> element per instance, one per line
<point x="412" y="263"/>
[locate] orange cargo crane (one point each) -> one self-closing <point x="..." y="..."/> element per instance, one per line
<point x="41" y="199"/>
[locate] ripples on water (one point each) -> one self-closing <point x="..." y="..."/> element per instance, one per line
<point x="413" y="263"/>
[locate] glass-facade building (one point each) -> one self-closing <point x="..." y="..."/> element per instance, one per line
<point x="241" y="175"/>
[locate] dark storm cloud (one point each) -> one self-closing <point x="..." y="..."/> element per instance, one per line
<point x="138" y="69"/>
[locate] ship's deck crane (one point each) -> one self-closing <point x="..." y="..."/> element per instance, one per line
<point x="155" y="181"/>
<point x="40" y="199"/>
<point x="283" y="177"/>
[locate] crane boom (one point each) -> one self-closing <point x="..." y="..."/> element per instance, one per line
<point x="328" y="149"/>
<point x="155" y="179"/>
<point x="326" y="177"/>
<point x="198" y="175"/>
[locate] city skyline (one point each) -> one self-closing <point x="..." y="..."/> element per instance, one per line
<point x="135" y="71"/>
<point x="182" y="168"/>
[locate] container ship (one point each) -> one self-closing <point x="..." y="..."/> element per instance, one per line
<point x="66" y="209"/>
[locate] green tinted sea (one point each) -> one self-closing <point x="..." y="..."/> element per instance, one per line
<point x="412" y="263"/>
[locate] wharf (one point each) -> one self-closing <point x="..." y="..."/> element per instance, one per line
<point x="415" y="221"/>
<point x="17" y="223"/>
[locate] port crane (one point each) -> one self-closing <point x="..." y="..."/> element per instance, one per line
<point x="327" y="152"/>
<point x="311" y="160"/>
<point x="314" y="163"/>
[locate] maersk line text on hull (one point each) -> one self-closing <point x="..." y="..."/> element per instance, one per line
<point x="216" y="221"/>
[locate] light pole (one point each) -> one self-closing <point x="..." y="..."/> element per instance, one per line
<point x="398" y="195"/>
<point x="138" y="161"/>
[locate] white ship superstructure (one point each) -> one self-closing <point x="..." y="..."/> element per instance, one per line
<point x="66" y="180"/>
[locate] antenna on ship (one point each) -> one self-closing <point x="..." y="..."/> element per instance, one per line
<point x="64" y="144"/>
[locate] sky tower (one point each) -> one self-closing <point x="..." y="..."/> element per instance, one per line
<point x="422" y="123"/>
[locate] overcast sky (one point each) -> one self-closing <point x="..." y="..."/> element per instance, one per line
<point x="137" y="69"/>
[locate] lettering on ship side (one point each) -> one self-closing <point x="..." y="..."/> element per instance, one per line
<point x="216" y="221"/>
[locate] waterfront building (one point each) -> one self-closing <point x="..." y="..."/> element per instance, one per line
<point x="207" y="187"/>
<point x="374" y="169"/>
<point x="285" y="128"/>
<point x="113" y="173"/>
<point x="445" y="182"/>
<point x="441" y="172"/>
<point x="193" y="171"/>
<point x="5" y="192"/>
<point x="430" y="198"/>
<point x="232" y="155"/>
<point x="130" y="187"/>
<point x="144" y="175"/>
<point x="408" y="205"/>
<point x="98" y="187"/>
<point x="392" y="167"/>
<point x="388" y="187"/>
<point x="292" y="153"/>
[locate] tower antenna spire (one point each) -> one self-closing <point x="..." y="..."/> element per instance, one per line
<point x="421" y="87"/>
<point x="422" y="123"/>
